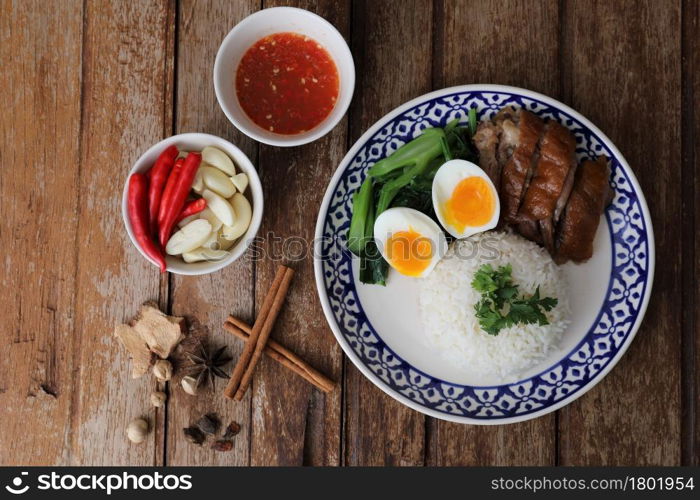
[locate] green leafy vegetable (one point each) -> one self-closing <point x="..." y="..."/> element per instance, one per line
<point x="403" y="179"/>
<point x="500" y="306"/>
<point x="472" y="121"/>
<point x="362" y="205"/>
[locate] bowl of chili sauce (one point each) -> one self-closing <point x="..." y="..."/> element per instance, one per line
<point x="284" y="76"/>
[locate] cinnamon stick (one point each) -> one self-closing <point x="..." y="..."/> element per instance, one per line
<point x="283" y="356"/>
<point x="240" y="368"/>
<point x="264" y="332"/>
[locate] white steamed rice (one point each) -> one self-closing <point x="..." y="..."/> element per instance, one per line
<point x="447" y="302"/>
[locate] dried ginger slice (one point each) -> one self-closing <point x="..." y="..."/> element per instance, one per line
<point x="140" y="353"/>
<point x="160" y="332"/>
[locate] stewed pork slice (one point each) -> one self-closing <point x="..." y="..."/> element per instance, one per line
<point x="517" y="172"/>
<point x="556" y="159"/>
<point x="579" y="223"/>
<point x="486" y="141"/>
<point x="496" y="139"/>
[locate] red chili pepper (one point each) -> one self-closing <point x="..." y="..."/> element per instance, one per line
<point x="137" y="201"/>
<point x="168" y="193"/>
<point x="158" y="174"/>
<point x="174" y="205"/>
<point x="191" y="208"/>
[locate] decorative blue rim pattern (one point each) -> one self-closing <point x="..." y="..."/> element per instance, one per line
<point x="607" y="339"/>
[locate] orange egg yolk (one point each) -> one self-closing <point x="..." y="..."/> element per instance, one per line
<point x="472" y="204"/>
<point x="409" y="252"/>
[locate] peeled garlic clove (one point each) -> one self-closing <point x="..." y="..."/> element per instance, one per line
<point x="198" y="182"/>
<point x="217" y="158"/>
<point x="204" y="254"/>
<point x="212" y="242"/>
<point x="240" y="181"/>
<point x="213" y="219"/>
<point x="224" y="244"/>
<point x="187" y="220"/>
<point x="189" y="237"/>
<point x="189" y="385"/>
<point x="217" y="181"/>
<point x="221" y="208"/>
<point x="244" y="214"/>
<point x="137" y="430"/>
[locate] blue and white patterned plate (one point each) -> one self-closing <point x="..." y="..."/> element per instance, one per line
<point x="379" y="327"/>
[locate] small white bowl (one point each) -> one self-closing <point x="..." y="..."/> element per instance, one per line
<point x="197" y="142"/>
<point x="264" y="23"/>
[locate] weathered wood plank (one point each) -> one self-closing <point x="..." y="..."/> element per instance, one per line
<point x="488" y="42"/>
<point x="294" y="423"/>
<point x="392" y="50"/>
<point x="211" y="298"/>
<point x="40" y="162"/>
<point x="691" y="255"/>
<point x="624" y="75"/>
<point x="124" y="61"/>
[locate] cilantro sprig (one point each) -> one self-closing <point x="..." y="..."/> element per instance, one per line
<point x="501" y="307"/>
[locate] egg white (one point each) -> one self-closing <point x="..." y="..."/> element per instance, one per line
<point x="446" y="179"/>
<point x="398" y="219"/>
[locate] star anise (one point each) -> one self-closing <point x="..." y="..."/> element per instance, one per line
<point x="207" y="363"/>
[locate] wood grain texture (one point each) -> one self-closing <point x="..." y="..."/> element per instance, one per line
<point x="690" y="116"/>
<point x="210" y="298"/>
<point x="39" y="128"/>
<point x="294" y="423"/>
<point x="378" y="429"/>
<point x="469" y="35"/>
<point x="88" y="86"/>
<point x="633" y="415"/>
<point x="124" y="56"/>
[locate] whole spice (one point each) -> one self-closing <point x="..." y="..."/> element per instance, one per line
<point x="163" y="370"/>
<point x="209" y="423"/>
<point x="137" y="203"/>
<point x="237" y="388"/>
<point x="232" y="429"/>
<point x="179" y="196"/>
<point x="222" y="445"/>
<point x="207" y="363"/>
<point x="189" y="385"/>
<point x="282" y="355"/>
<point x="137" y="430"/>
<point x="194" y="435"/>
<point x="158" y="398"/>
<point x="158" y="175"/>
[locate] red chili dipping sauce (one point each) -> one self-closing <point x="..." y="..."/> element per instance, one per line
<point x="287" y="83"/>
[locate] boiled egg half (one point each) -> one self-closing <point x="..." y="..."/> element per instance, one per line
<point x="410" y="241"/>
<point x="465" y="200"/>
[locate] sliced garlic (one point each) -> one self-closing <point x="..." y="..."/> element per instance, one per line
<point x="189" y="237"/>
<point x="240" y="181"/>
<point x="202" y="254"/>
<point x="224" y="244"/>
<point x="244" y="214"/>
<point x="187" y="220"/>
<point x="212" y="218"/>
<point x="198" y="182"/>
<point x="217" y="158"/>
<point x="221" y="208"/>
<point x="217" y="181"/>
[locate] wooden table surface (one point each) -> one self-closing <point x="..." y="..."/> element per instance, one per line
<point x="87" y="86"/>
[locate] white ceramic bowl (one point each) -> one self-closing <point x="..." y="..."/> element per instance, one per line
<point x="197" y="142"/>
<point x="264" y="23"/>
